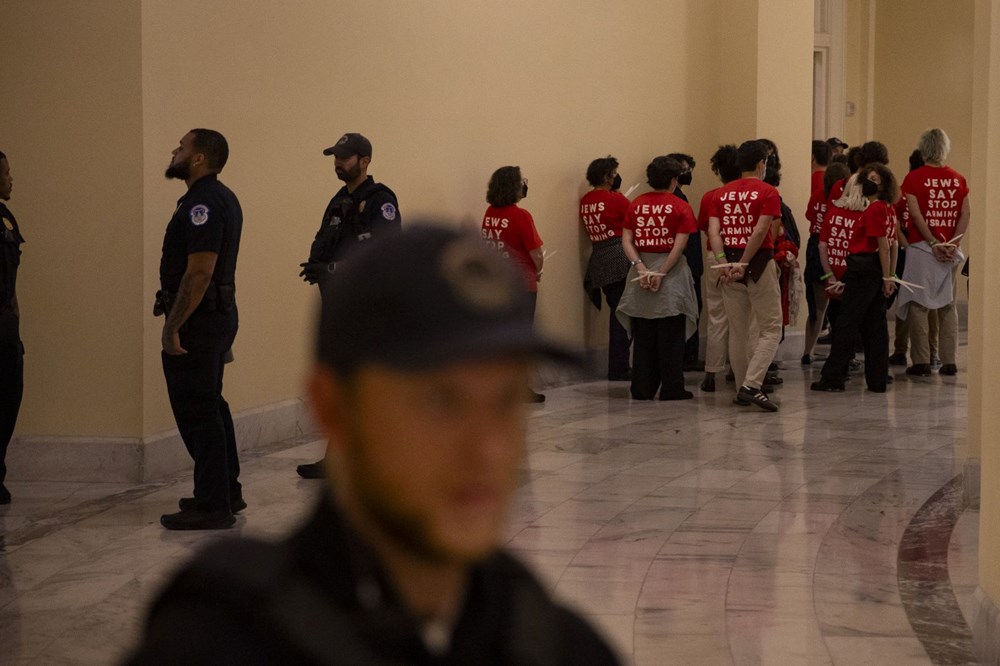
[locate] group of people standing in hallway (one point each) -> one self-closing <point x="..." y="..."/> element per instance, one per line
<point x="859" y="217"/>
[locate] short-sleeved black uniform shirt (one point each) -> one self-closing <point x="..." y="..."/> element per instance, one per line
<point x="10" y="257"/>
<point x="208" y="219"/>
<point x="354" y="217"/>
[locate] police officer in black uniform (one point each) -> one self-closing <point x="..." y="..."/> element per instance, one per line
<point x="198" y="296"/>
<point x="11" y="349"/>
<point x="401" y="562"/>
<point x="361" y="210"/>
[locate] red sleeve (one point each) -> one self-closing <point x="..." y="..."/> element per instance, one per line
<point x="529" y="234"/>
<point x="704" y="211"/>
<point x="687" y="225"/>
<point x="771" y="204"/>
<point x="630" y="217"/>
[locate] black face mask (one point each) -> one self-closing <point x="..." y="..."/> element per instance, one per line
<point x="524" y="190"/>
<point x="617" y="183"/>
<point x="868" y="188"/>
<point x="684" y="179"/>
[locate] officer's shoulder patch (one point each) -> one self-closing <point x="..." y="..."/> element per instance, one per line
<point x="388" y="211"/>
<point x="199" y="215"/>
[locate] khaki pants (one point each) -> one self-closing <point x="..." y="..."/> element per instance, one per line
<point x="717" y="334"/>
<point x="759" y="303"/>
<point x="901" y="341"/>
<point x="920" y="322"/>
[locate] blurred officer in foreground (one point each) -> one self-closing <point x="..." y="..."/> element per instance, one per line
<point x="360" y="211"/>
<point x="422" y="399"/>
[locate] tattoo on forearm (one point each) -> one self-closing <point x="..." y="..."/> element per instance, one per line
<point x="182" y="302"/>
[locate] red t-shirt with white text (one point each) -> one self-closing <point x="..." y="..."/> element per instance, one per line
<point x="940" y="193"/>
<point x="655" y="219"/>
<point x="814" y="211"/>
<point x="602" y="213"/>
<point x="877" y="221"/>
<point x="740" y="205"/>
<point x="817" y="179"/>
<point x="511" y="230"/>
<point x="838" y="226"/>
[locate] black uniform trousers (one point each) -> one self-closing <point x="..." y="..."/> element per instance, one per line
<point x="194" y="384"/>
<point x="696" y="262"/>
<point x="618" y="339"/>
<point x="659" y="357"/>
<point x="11" y="382"/>
<point x="862" y="315"/>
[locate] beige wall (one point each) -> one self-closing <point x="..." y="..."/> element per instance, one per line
<point x="857" y="62"/>
<point x="70" y="124"/>
<point x="446" y="91"/>
<point x="923" y="76"/>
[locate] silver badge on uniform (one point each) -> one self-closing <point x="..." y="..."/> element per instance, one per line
<point x="199" y="215"/>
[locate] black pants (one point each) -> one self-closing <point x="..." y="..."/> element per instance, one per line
<point x="862" y="315"/>
<point x="11" y="382"/>
<point x="618" y="340"/>
<point x="693" y="254"/>
<point x="659" y="357"/>
<point x="194" y="384"/>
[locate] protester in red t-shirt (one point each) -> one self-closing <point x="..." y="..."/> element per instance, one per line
<point x="820" y="160"/>
<point x="659" y="302"/>
<point x="511" y="231"/>
<point x="740" y="230"/>
<point x="816" y="295"/>
<point x="724" y="165"/>
<point x="602" y="213"/>
<point x="937" y="198"/>
<point x="869" y="280"/>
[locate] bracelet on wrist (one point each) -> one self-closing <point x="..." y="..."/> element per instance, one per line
<point x="826" y="276"/>
<point x="932" y="242"/>
<point x="636" y="262"/>
<point x="720" y="255"/>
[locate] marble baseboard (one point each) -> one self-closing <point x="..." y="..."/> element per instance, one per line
<point x="973" y="479"/>
<point x="135" y="460"/>
<point x="986" y="629"/>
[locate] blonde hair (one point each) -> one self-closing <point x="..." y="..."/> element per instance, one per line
<point x="934" y="146"/>
<point x="852" y="198"/>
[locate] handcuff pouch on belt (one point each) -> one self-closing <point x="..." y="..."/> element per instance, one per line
<point x="757" y="265"/>
<point x="217" y="298"/>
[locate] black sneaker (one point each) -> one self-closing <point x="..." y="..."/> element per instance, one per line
<point x="772" y="379"/>
<point x="807" y="359"/>
<point x="4" y="494"/>
<point x="683" y="395"/>
<point x="191" y="504"/>
<point x="708" y="384"/>
<point x="949" y="369"/>
<point x="898" y="358"/>
<point x="919" y="370"/>
<point x="312" y="470"/>
<point x="198" y="520"/>
<point x="756" y="397"/>
<point x="829" y="387"/>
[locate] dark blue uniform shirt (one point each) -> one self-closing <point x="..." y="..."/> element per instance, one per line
<point x="10" y="257"/>
<point x="354" y="217"/>
<point x="208" y="219"/>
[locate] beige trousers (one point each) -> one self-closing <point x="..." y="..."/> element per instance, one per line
<point x="759" y="303"/>
<point x="920" y="321"/>
<point x="901" y="339"/>
<point x="717" y="332"/>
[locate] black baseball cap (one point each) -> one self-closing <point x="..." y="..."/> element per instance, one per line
<point x="350" y="144"/>
<point x="834" y="141"/>
<point x="423" y="298"/>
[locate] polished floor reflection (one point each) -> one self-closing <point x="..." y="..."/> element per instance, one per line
<point x="693" y="533"/>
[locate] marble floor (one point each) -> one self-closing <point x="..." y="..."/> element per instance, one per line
<point x="830" y="532"/>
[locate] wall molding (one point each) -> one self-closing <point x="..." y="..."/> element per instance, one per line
<point x="986" y="629"/>
<point x="140" y="460"/>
